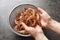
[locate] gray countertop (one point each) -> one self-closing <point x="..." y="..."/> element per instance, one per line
<point x="52" y="7"/>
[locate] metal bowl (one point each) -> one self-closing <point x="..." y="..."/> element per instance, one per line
<point x="15" y="12"/>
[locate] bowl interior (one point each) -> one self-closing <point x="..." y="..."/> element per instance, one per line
<point x="15" y="12"/>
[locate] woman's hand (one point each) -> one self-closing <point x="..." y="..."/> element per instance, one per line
<point x="33" y="31"/>
<point x="45" y="18"/>
<point x="36" y="32"/>
<point x="48" y="22"/>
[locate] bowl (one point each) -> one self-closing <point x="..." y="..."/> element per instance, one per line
<point x="15" y="12"/>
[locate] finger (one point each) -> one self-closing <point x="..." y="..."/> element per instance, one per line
<point x="22" y="31"/>
<point x="43" y="12"/>
<point x="28" y="29"/>
<point x="40" y="11"/>
<point x="24" y="25"/>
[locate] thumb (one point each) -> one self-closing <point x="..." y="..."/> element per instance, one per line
<point x="25" y="26"/>
<point x="43" y="22"/>
<point x="41" y="12"/>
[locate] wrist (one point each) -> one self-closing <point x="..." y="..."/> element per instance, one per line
<point x="52" y="23"/>
<point x="54" y="26"/>
<point x="41" y="37"/>
<point x="49" y="23"/>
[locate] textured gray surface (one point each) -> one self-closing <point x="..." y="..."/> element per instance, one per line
<point x="6" y="6"/>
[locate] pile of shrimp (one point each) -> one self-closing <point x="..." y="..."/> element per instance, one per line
<point x="29" y="16"/>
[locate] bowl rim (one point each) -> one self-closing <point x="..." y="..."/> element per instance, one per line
<point x="10" y="23"/>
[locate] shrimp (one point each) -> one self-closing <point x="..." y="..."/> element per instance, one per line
<point x="29" y="16"/>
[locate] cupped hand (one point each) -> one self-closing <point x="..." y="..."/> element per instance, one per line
<point x="45" y="18"/>
<point x="33" y="31"/>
